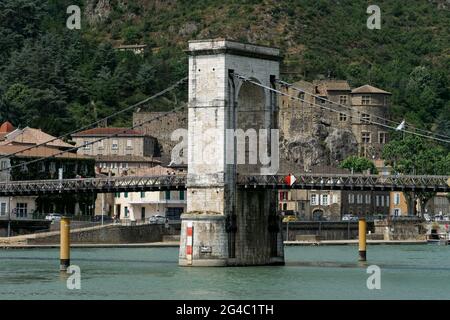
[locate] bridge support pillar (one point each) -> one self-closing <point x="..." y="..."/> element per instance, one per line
<point x="225" y="225"/>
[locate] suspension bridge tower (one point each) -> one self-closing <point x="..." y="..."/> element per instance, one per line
<point x="224" y="225"/>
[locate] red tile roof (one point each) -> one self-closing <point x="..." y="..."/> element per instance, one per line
<point x="6" y="127"/>
<point x="108" y="131"/>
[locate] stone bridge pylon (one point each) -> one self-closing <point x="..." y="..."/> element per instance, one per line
<point x="224" y="225"/>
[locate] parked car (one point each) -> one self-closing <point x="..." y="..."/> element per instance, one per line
<point x="157" y="219"/>
<point x="53" y="217"/>
<point x="98" y="218"/>
<point x="349" y="217"/>
<point x="290" y="219"/>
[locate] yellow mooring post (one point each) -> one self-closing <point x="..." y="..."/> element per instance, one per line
<point x="64" y="255"/>
<point x="362" y="239"/>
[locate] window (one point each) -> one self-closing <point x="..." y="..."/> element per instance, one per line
<point x="382" y="137"/>
<point x="125" y="209"/>
<point x="101" y="145"/>
<point x="368" y="198"/>
<point x="115" y="145"/>
<point x="3" y="164"/>
<point x="335" y="198"/>
<point x="2" y="208"/>
<point x="397" y="199"/>
<point x="359" y="198"/>
<point x="86" y="145"/>
<point x="314" y="199"/>
<point x="129" y="144"/>
<point x="181" y="195"/>
<point x="174" y="213"/>
<point x="396" y="212"/>
<point x="284" y="206"/>
<point x="387" y="201"/>
<point x="125" y="194"/>
<point x="117" y="195"/>
<point x="324" y="201"/>
<point x="320" y="101"/>
<point x="142" y="194"/>
<point x="365" y="100"/>
<point x="365" y="118"/>
<point x="284" y="196"/>
<point x="382" y="201"/>
<point x="342" y="117"/>
<point x="365" y="137"/>
<point x="351" y="198"/>
<point x="21" y="209"/>
<point x="301" y="96"/>
<point x="167" y="194"/>
<point x="343" y="99"/>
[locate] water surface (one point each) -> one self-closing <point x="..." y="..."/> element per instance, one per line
<point x="316" y="272"/>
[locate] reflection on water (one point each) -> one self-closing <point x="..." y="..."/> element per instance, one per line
<point x="325" y="272"/>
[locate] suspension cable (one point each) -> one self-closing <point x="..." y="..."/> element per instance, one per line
<point x="92" y="142"/>
<point x="353" y="109"/>
<point x="333" y="110"/>
<point x="172" y="87"/>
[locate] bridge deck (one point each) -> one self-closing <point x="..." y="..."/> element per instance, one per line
<point x="178" y="182"/>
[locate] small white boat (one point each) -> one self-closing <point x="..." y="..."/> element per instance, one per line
<point x="438" y="238"/>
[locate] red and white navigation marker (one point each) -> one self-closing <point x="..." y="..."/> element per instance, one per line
<point x="290" y="179"/>
<point x="189" y="242"/>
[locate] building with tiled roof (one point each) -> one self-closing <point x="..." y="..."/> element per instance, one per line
<point x="369" y="89"/>
<point x="101" y="132"/>
<point x="117" y="150"/>
<point x="6" y="128"/>
<point x="31" y="136"/>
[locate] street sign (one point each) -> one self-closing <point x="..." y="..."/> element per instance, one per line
<point x="290" y="179"/>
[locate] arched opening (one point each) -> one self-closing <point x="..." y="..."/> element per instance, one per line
<point x="318" y="215"/>
<point x="250" y="117"/>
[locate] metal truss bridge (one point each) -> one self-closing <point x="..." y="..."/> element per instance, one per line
<point x="178" y="182"/>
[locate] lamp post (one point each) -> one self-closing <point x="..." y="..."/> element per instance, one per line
<point x="8" y="176"/>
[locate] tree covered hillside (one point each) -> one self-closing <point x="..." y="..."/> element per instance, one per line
<point x="58" y="79"/>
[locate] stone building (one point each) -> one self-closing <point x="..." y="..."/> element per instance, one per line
<point x="162" y="128"/>
<point x="365" y="203"/>
<point x="370" y="104"/>
<point x="118" y="155"/>
<point x="332" y="123"/>
<point x="71" y="164"/>
<point x="139" y="206"/>
<point x="438" y="205"/>
<point x="313" y="205"/>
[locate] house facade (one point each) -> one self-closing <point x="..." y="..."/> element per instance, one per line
<point x="117" y="151"/>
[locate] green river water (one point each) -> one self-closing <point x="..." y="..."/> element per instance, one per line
<point x="315" y="272"/>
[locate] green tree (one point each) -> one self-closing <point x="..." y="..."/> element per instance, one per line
<point x="358" y="165"/>
<point x="416" y="156"/>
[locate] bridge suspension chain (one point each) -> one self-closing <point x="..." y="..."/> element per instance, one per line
<point x="246" y="79"/>
<point x="289" y="85"/>
<point x="94" y="141"/>
<point x="156" y="95"/>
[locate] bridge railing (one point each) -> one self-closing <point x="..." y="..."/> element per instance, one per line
<point x="348" y="181"/>
<point x="173" y="182"/>
<point x="111" y="184"/>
